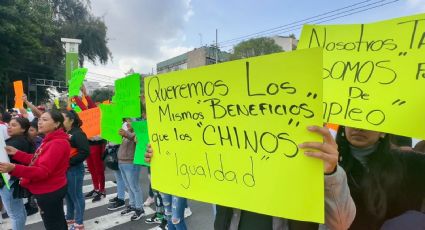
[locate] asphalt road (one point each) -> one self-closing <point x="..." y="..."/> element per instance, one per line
<point x="98" y="217"/>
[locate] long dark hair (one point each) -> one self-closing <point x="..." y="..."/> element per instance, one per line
<point x="72" y="115"/>
<point x="56" y="117"/>
<point x="24" y="123"/>
<point x="381" y="178"/>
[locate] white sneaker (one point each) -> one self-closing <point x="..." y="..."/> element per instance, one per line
<point x="149" y="201"/>
<point x="187" y="212"/>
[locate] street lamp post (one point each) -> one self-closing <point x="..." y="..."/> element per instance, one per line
<point x="71" y="58"/>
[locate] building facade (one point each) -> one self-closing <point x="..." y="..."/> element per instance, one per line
<point x="195" y="58"/>
<point x="288" y="43"/>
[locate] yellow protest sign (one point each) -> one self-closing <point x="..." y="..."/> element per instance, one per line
<point x="56" y="102"/>
<point x="229" y="133"/>
<point x="374" y="74"/>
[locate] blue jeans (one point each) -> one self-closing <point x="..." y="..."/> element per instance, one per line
<point x="174" y="211"/>
<point x="14" y="207"/>
<point x="75" y="202"/>
<point x="131" y="175"/>
<point x="120" y="185"/>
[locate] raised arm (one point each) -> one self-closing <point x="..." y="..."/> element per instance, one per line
<point x="37" y="113"/>
<point x="90" y="103"/>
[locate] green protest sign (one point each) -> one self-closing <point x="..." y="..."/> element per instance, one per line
<point x="141" y="130"/>
<point x="111" y="123"/>
<point x="127" y="94"/>
<point x="77" y="109"/>
<point x="76" y="81"/>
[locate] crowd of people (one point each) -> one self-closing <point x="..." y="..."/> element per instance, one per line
<point x="373" y="180"/>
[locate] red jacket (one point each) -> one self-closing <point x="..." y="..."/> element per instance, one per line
<point x="48" y="172"/>
<point x="79" y="102"/>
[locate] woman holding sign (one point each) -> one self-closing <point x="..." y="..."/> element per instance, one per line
<point x="384" y="182"/>
<point x="339" y="206"/>
<point x="75" y="175"/>
<point x="95" y="158"/>
<point x="130" y="173"/>
<point x="44" y="172"/>
<point x="18" y="138"/>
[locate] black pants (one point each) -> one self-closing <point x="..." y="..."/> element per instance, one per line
<point x="51" y="209"/>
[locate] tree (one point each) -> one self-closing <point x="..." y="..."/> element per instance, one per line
<point x="100" y="95"/>
<point x="27" y="44"/>
<point x="255" y="47"/>
<point x="76" y="21"/>
<point x="30" y="46"/>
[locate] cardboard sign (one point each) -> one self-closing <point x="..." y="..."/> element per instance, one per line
<point x="19" y="92"/>
<point x="111" y="122"/>
<point x="76" y="81"/>
<point x="373" y="74"/>
<point x="141" y="130"/>
<point x="91" y="122"/>
<point x="229" y="133"/>
<point x="4" y="158"/>
<point x="127" y="95"/>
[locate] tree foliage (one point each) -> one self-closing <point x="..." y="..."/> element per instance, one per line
<point x="100" y="95"/>
<point x="76" y="21"/>
<point x="30" y="46"/>
<point x="255" y="47"/>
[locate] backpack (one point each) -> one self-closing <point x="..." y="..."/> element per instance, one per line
<point x="110" y="157"/>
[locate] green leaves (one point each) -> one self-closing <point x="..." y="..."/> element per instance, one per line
<point x="255" y="47"/>
<point x="30" y="32"/>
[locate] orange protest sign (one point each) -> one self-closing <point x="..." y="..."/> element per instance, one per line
<point x="91" y="122"/>
<point x="19" y="92"/>
<point x="332" y="126"/>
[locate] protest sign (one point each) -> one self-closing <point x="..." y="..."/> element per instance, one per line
<point x="19" y="92"/>
<point x="56" y="102"/>
<point x="110" y="123"/>
<point x="77" y="109"/>
<point x="127" y="95"/>
<point x="374" y="74"/>
<point x="226" y="133"/>
<point x="4" y="158"/>
<point x="91" y="122"/>
<point x="141" y="130"/>
<point x="76" y="81"/>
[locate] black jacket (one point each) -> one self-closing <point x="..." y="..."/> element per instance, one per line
<point x="21" y="143"/>
<point x="405" y="195"/>
<point x="80" y="149"/>
<point x="255" y="221"/>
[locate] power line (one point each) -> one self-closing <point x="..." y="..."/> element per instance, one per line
<point x="298" y="26"/>
<point x="278" y="27"/>
<point x="318" y="20"/>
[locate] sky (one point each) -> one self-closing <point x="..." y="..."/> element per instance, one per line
<point x="142" y="33"/>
